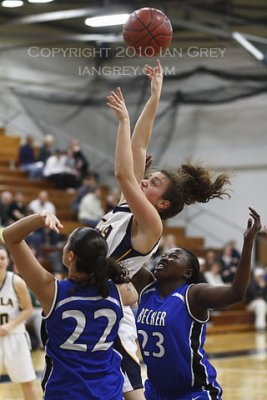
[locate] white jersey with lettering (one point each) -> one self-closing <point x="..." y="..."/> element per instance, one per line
<point x="9" y="303"/>
<point x="115" y="227"/>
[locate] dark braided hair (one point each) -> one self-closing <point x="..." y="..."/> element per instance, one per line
<point x="90" y="249"/>
<point x="192" y="184"/>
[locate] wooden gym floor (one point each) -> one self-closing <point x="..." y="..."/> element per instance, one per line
<point x="239" y="358"/>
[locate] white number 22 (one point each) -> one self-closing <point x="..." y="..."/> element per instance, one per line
<point x="102" y="344"/>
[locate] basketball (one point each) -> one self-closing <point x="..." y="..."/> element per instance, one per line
<point x="148" y="31"/>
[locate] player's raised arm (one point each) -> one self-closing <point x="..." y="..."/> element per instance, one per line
<point x="40" y="281"/>
<point x="143" y="128"/>
<point x="146" y="217"/>
<point x="207" y="296"/>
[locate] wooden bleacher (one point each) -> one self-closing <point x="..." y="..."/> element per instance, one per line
<point x="14" y="180"/>
<point x="235" y="318"/>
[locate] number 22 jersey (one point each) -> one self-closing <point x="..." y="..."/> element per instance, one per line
<point x="81" y="362"/>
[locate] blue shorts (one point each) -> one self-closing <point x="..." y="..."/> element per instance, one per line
<point x="210" y="392"/>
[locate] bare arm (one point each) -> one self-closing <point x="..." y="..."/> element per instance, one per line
<point x="128" y="293"/>
<point x="143" y="128"/>
<point x="142" y="278"/>
<point x="202" y="296"/>
<point x="25" y="306"/>
<point x="40" y="281"/>
<point x="147" y="220"/>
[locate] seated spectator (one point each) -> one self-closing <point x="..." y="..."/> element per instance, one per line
<point x="36" y="169"/>
<point x="256" y="298"/>
<point x="81" y="163"/>
<point x="46" y="149"/>
<point x="18" y="208"/>
<point x="27" y="160"/>
<point x="42" y="236"/>
<point x="202" y="269"/>
<point x="213" y="275"/>
<point x="90" y="208"/>
<point x="26" y="154"/>
<point x="89" y="184"/>
<point x="41" y="203"/>
<point x="210" y="258"/>
<point x="5" y="201"/>
<point x="229" y="259"/>
<point x="57" y="169"/>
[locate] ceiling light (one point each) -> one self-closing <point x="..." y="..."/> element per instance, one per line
<point x="12" y="3"/>
<point x="107" y="20"/>
<point x="40" y="1"/>
<point x="248" y="46"/>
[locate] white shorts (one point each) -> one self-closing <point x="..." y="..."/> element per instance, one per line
<point x="126" y="345"/>
<point x="15" y="356"/>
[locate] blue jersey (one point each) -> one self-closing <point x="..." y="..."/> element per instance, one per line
<point x="81" y="329"/>
<point x="171" y="342"/>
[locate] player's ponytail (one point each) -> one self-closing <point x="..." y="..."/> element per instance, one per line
<point x="90" y="249"/>
<point x="192" y="184"/>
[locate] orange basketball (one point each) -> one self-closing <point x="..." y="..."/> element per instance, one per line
<point x="148" y="31"/>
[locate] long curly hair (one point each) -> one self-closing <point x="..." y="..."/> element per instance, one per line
<point x="190" y="184"/>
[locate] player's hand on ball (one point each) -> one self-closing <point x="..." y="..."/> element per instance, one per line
<point x="116" y="102"/>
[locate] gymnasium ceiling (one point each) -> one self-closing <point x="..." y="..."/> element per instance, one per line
<point x="202" y="21"/>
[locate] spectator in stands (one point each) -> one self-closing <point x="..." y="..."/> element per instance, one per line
<point x="91" y="209"/>
<point x="256" y="298"/>
<point x="213" y="275"/>
<point x="5" y="201"/>
<point x="58" y="170"/>
<point x="26" y="154"/>
<point x="46" y="149"/>
<point x="211" y="257"/>
<point x="229" y="259"/>
<point x="41" y="203"/>
<point x="89" y="184"/>
<point x="202" y="269"/>
<point x="41" y="236"/>
<point x="18" y="208"/>
<point x="81" y="163"/>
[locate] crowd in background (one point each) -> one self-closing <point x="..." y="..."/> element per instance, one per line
<point x="70" y="170"/>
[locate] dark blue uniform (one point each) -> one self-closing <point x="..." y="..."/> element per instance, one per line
<point x="171" y="342"/>
<point x="81" y="329"/>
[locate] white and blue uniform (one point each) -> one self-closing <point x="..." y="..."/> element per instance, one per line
<point x="171" y="342"/>
<point x="115" y="227"/>
<point x="81" y="327"/>
<point x="15" y="353"/>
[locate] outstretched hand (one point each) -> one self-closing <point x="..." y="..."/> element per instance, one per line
<point x="116" y="102"/>
<point x="51" y="221"/>
<point x="253" y="226"/>
<point x="155" y="75"/>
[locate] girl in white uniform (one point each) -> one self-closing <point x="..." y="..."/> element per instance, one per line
<point x="15" y="308"/>
<point x="162" y="195"/>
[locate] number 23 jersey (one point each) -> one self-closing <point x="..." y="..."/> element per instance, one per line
<point x="171" y="341"/>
